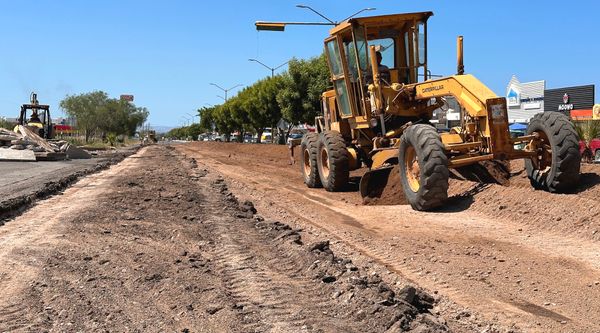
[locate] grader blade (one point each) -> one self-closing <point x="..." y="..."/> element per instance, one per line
<point x="374" y="181"/>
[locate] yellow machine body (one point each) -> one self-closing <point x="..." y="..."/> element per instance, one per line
<point x="371" y="111"/>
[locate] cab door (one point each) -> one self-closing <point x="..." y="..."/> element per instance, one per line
<point x="338" y="68"/>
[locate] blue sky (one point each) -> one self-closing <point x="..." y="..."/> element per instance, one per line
<point x="167" y="52"/>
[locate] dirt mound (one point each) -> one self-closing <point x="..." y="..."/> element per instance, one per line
<point x="461" y="180"/>
<point x="392" y="194"/>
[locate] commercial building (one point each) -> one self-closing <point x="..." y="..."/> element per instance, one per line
<point x="524" y="100"/>
<point x="573" y="101"/>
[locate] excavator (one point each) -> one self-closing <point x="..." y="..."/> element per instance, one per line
<point x="378" y="115"/>
<point x="39" y="120"/>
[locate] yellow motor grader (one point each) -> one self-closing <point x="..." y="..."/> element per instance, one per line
<point x="377" y="115"/>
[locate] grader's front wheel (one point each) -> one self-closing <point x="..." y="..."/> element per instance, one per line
<point x="557" y="166"/>
<point x="423" y="167"/>
<point x="333" y="161"/>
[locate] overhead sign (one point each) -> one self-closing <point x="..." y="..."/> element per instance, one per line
<point x="128" y="98"/>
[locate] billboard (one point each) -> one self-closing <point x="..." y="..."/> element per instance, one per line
<point x="128" y="98"/>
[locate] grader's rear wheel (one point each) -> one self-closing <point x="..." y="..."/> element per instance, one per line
<point x="423" y="167"/>
<point x="309" y="151"/>
<point x="558" y="163"/>
<point x="333" y="161"/>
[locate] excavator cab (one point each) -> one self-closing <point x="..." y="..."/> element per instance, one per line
<point x="36" y="117"/>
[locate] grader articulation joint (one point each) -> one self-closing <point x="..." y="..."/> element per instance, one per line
<point x="377" y="121"/>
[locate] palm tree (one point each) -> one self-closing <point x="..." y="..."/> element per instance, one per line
<point x="587" y="130"/>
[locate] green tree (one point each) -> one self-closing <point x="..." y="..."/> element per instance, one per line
<point x="302" y="86"/>
<point x="86" y="109"/>
<point x="207" y="118"/>
<point x="239" y="114"/>
<point x="6" y="124"/>
<point x="224" y="121"/>
<point x="96" y="113"/>
<point x="263" y="108"/>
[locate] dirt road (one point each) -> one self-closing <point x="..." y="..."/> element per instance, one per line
<point x="521" y="259"/>
<point x="22" y="183"/>
<point x="158" y="243"/>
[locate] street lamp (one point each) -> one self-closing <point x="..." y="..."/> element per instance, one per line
<point x="316" y="12"/>
<point x="358" y="12"/>
<point x="273" y="69"/>
<point x="280" y="26"/>
<point x="226" y="90"/>
<point x="193" y="116"/>
<point x="185" y="121"/>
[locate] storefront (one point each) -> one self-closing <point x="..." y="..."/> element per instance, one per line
<point x="572" y="101"/>
<point x="524" y="100"/>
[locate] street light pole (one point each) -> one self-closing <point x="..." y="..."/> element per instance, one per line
<point x="226" y="90"/>
<point x="336" y="22"/>
<point x="280" y="26"/>
<point x="273" y="69"/>
<point x="193" y="116"/>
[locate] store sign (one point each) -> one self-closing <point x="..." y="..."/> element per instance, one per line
<point x="566" y="106"/>
<point x="513" y="97"/>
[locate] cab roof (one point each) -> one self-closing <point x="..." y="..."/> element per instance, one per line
<point x="395" y="20"/>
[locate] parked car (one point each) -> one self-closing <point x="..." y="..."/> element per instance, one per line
<point x="266" y="137"/>
<point x="296" y="135"/>
<point x="594" y="152"/>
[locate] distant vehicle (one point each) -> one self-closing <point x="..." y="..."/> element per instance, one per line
<point x="249" y="138"/>
<point x="38" y="120"/>
<point x="594" y="149"/>
<point x="296" y="135"/>
<point x="266" y="137"/>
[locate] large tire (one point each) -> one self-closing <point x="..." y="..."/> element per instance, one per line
<point x="423" y="167"/>
<point x="309" y="151"/>
<point x="333" y="161"/>
<point x="560" y="162"/>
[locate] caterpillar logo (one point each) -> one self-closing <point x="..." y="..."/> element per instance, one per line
<point x="433" y="88"/>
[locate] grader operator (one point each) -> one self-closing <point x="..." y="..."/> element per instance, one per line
<point x="374" y="121"/>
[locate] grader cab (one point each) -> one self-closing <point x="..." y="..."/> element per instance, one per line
<point x="377" y="115"/>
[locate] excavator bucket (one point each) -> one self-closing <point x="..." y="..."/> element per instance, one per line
<point x="374" y="181"/>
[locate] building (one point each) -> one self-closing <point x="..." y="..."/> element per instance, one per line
<point x="524" y="100"/>
<point x="573" y="101"/>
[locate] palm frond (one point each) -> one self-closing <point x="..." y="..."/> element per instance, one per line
<point x="587" y="129"/>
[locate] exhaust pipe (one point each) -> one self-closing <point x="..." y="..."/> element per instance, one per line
<point x="459" y="55"/>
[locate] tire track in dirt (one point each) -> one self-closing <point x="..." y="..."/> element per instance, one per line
<point x="267" y="285"/>
<point x="40" y="226"/>
<point x="505" y="250"/>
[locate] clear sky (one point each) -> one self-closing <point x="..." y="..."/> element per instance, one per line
<point x="167" y="52"/>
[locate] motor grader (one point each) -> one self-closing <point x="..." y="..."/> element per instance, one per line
<point x="377" y="120"/>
